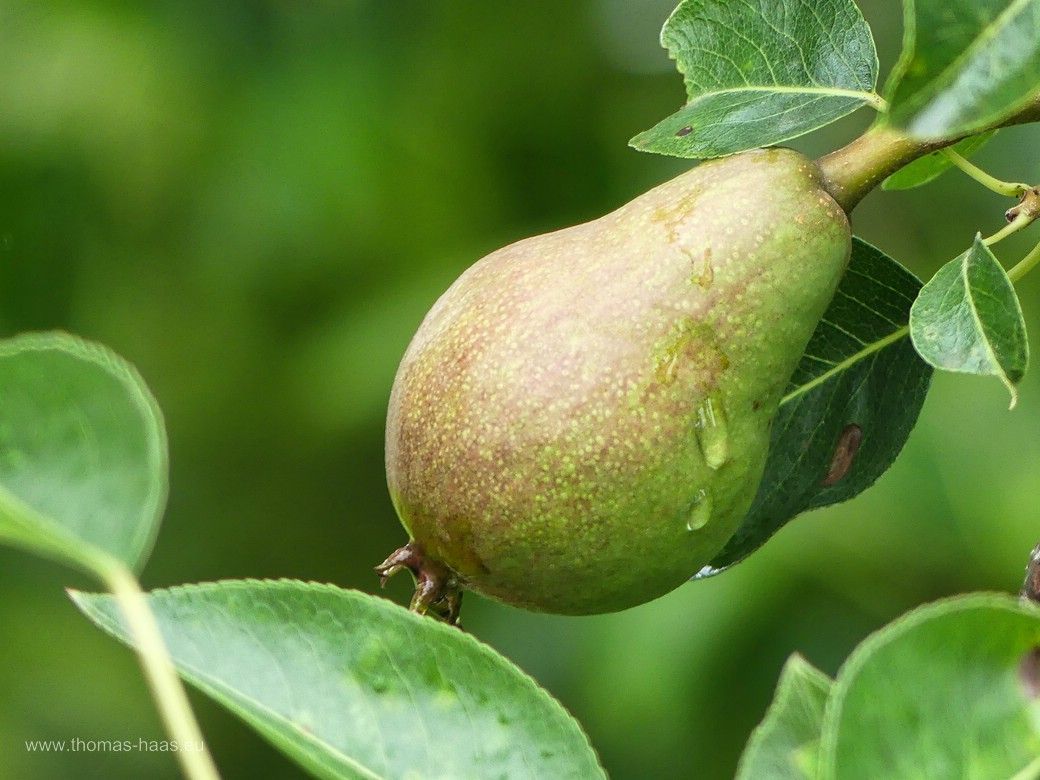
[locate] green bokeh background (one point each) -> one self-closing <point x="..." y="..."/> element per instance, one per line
<point x="256" y="202"/>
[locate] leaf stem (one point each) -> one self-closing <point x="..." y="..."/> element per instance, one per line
<point x="1022" y="221"/>
<point x="1007" y="188"/>
<point x="1025" y="265"/>
<point x="167" y="690"/>
<point x="878" y="103"/>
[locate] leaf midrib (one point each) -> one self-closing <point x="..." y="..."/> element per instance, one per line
<point x="867" y="97"/>
<point x="969" y="297"/>
<point x="845" y="364"/>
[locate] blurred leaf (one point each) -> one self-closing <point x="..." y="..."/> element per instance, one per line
<point x="761" y="72"/>
<point x="968" y="319"/>
<point x="966" y="64"/>
<point x="932" y="166"/>
<point x="849" y="407"/>
<point x="349" y="685"/>
<point x="792" y="722"/>
<point x="949" y="690"/>
<point x="83" y="460"/>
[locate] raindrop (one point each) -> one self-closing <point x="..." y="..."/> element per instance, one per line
<point x="712" y="433"/>
<point x="698" y="512"/>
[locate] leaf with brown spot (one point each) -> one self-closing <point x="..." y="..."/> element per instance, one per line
<point x="849" y="407"/>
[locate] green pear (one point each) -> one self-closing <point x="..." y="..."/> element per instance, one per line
<point x="582" y="419"/>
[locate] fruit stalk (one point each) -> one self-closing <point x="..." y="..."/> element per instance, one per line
<point x="851" y="172"/>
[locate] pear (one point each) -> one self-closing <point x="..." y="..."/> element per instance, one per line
<point x="582" y="419"/>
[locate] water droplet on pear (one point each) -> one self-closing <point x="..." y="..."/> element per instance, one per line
<point x="712" y="432"/>
<point x="698" y="513"/>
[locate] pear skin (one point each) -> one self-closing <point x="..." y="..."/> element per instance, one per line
<point x="582" y="419"/>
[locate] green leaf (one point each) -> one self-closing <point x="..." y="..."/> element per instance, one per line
<point x="759" y="72"/>
<point x="83" y="457"/>
<point x="792" y="723"/>
<point x="849" y="406"/>
<point x="353" y="686"/>
<point x="932" y="166"/>
<point x="949" y="690"/>
<point x="968" y="319"/>
<point x="966" y="65"/>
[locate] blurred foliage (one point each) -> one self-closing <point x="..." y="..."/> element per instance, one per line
<point x="256" y="202"/>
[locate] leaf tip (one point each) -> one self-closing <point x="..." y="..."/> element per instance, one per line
<point x="637" y="141"/>
<point x="84" y="602"/>
<point x="78" y="598"/>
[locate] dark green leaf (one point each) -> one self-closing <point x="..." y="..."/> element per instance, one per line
<point x="966" y="65"/>
<point x="849" y="407"/>
<point x="931" y="166"/>
<point x="759" y="72"/>
<point x="792" y="724"/>
<point x="968" y="319"/>
<point x="949" y="690"/>
<point x="353" y="686"/>
<point x="83" y="461"/>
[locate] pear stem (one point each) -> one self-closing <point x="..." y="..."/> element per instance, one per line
<point x="854" y="170"/>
